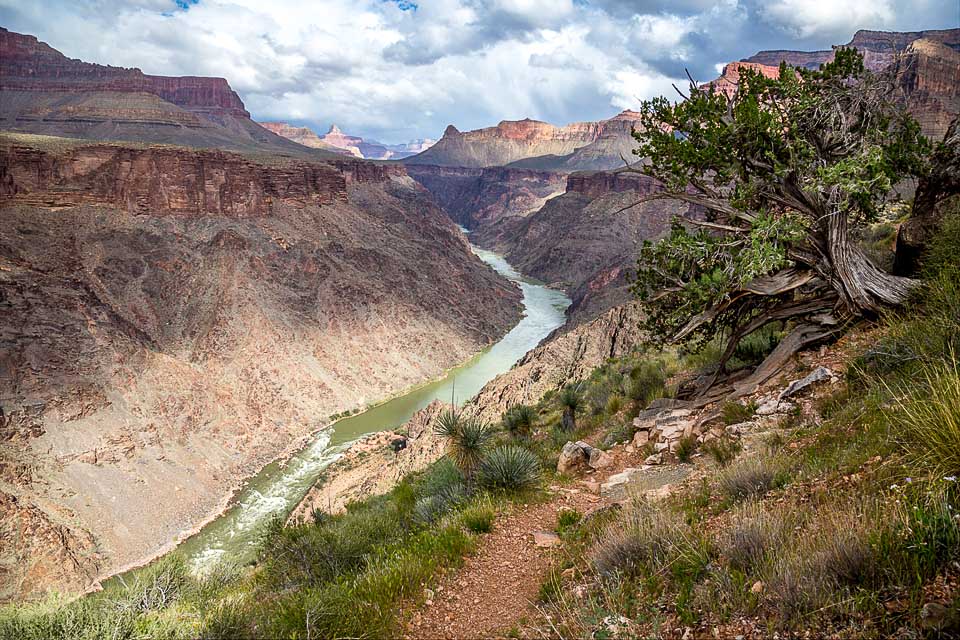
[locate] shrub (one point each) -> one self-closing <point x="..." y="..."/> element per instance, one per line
<point x="567" y="518"/>
<point x="519" y="419"/>
<point x="570" y="400"/>
<point x="646" y="540"/>
<point x="750" y="477"/>
<point x="722" y="450"/>
<point x="647" y="381"/>
<point x="735" y="413"/>
<point x="510" y="467"/>
<point x="614" y="404"/>
<point x="430" y="508"/>
<point x="685" y="448"/>
<point x="753" y="533"/>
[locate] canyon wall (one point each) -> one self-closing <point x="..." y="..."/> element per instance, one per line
<point x="475" y="197"/>
<point x="44" y="92"/>
<point x="586" y="240"/>
<point x="174" y="319"/>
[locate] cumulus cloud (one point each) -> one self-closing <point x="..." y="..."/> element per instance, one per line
<point x="401" y="69"/>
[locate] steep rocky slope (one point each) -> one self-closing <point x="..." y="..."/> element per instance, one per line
<point x="551" y="146"/>
<point x="42" y="91"/>
<point x="476" y="197"/>
<point x="586" y="240"/>
<point x="174" y="319"/>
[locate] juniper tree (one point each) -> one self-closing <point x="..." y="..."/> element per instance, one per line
<point x="778" y="175"/>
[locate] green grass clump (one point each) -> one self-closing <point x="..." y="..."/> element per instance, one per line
<point x="510" y="467"/>
<point x="722" y="450"/>
<point x="735" y="412"/>
<point x="930" y="417"/>
<point x="479" y="518"/>
<point x="751" y="477"/>
<point x="686" y="447"/>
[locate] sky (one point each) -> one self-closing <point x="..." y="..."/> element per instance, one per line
<point x="396" y="70"/>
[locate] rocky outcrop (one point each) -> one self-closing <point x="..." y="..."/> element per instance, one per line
<point x="476" y="197"/>
<point x="927" y="74"/>
<point x="159" y="348"/>
<point x="923" y="65"/>
<point x="371" y="466"/>
<point x="567" y="356"/>
<point x="514" y="140"/>
<point x="304" y="136"/>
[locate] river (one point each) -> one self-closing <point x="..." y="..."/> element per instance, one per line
<point x="277" y="489"/>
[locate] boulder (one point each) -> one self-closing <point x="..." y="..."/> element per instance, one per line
<point x="577" y="456"/>
<point x="820" y="374"/>
<point x="641" y="438"/>
<point x="656" y="458"/>
<point x="599" y="459"/>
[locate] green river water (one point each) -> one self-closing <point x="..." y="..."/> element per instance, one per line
<point x="280" y="486"/>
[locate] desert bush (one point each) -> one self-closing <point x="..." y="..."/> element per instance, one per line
<point x="647" y="381"/>
<point x="722" y="450"/>
<point x="510" y="467"/>
<point x="648" y="539"/>
<point x="478" y="518"/>
<point x="614" y="404"/>
<point x="519" y="419"/>
<point x="750" y="477"/>
<point x="735" y="412"/>
<point x="570" y="400"/>
<point x="754" y="532"/>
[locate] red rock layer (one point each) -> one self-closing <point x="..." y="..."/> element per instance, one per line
<point x="29" y="65"/>
<point x="174" y="181"/>
<point x="730" y="78"/>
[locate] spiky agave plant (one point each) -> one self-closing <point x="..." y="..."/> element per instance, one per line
<point x="467" y="440"/>
<point x="570" y="400"/>
<point x="519" y="419"/>
<point x="510" y="467"/>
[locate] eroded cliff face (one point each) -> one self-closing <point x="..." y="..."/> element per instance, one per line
<point x="476" y="197"/>
<point x="923" y="65"/>
<point x="44" y="92"/>
<point x="879" y="48"/>
<point x="586" y="240"/>
<point x="158" y="348"/>
<point x="516" y="141"/>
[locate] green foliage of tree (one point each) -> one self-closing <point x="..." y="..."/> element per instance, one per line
<point x="777" y="174"/>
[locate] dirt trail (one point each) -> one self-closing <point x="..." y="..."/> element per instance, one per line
<point x="496" y="588"/>
<point x="498" y="585"/>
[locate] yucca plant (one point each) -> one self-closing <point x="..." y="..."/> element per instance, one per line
<point x="570" y="400"/>
<point x="519" y="419"/>
<point x="467" y="440"/>
<point x="510" y="467"/>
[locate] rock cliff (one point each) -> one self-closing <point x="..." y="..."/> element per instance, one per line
<point x="174" y="319"/>
<point x="585" y="240"/>
<point x="42" y="91"/>
<point x="304" y="136"/>
<point x="475" y="197"/>
<point x="513" y="141"/>
<point x="879" y="48"/>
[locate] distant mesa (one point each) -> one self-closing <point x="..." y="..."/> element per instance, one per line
<point x="339" y="142"/>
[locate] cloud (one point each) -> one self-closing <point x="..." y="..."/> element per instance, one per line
<point x="399" y="69"/>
